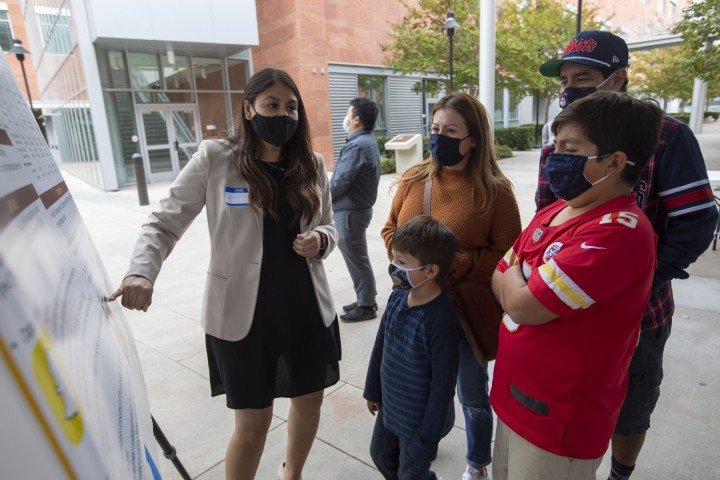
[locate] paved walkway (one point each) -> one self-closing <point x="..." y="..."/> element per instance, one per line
<point x="682" y="444"/>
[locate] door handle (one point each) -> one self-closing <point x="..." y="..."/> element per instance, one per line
<point x="177" y="145"/>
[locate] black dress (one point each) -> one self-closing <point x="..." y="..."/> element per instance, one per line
<point x="288" y="352"/>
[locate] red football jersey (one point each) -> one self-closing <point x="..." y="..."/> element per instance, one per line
<point x="560" y="385"/>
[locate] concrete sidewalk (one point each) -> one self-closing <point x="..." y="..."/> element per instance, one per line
<point x="682" y="444"/>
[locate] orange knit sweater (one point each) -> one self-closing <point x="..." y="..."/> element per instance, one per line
<point x="483" y="239"/>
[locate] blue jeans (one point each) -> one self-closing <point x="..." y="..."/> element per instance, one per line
<point x="390" y="455"/>
<point x="472" y="390"/>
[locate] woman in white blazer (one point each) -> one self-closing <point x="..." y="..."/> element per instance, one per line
<point x="270" y="220"/>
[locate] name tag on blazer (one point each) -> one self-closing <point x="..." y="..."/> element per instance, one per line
<point x="236" y="197"/>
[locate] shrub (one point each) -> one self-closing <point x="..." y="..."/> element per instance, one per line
<point x="683" y="117"/>
<point x="503" y="151"/>
<point x="381" y="144"/>
<point x="517" y="138"/>
<point x="387" y="165"/>
<point x="714" y="115"/>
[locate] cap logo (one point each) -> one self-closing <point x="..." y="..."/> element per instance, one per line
<point x="586" y="46"/>
<point x="615" y="59"/>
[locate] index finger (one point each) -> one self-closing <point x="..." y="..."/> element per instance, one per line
<point x="117" y="293"/>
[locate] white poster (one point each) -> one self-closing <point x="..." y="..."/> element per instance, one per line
<point x="73" y="397"/>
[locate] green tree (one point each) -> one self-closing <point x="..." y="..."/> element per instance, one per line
<point x="700" y="29"/>
<point x="420" y="45"/>
<point x="660" y="74"/>
<point x="663" y="74"/>
<point x="528" y="36"/>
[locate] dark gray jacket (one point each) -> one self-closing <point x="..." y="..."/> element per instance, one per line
<point x="354" y="184"/>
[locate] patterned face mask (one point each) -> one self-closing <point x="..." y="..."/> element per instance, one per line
<point x="567" y="177"/>
<point x="570" y="94"/>
<point x="401" y="276"/>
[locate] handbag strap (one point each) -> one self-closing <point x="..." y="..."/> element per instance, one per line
<point x="426" y="196"/>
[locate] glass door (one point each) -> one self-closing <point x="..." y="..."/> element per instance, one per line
<point x="170" y="136"/>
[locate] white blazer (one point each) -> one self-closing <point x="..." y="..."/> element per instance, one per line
<point x="236" y="239"/>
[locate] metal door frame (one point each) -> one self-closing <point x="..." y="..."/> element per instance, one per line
<point x="168" y="108"/>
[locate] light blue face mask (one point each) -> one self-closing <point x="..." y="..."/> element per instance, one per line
<point x="346" y="125"/>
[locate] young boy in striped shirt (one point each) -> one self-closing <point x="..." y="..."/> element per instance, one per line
<point x="410" y="381"/>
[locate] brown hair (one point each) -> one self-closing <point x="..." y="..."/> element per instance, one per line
<point x="428" y="240"/>
<point x="482" y="167"/>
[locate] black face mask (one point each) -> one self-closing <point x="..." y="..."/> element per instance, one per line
<point x="274" y="130"/>
<point x="446" y="150"/>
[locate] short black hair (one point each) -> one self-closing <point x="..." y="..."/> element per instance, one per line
<point x="367" y="110"/>
<point x="428" y="240"/>
<point x="616" y="122"/>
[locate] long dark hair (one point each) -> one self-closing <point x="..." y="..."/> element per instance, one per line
<point x="301" y="172"/>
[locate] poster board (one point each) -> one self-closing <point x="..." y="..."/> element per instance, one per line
<point x="73" y="397"/>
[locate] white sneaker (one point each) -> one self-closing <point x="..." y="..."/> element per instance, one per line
<point x="475" y="474"/>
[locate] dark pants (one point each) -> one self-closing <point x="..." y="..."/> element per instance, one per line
<point x="390" y="455"/>
<point x="351" y="227"/>
<point x="644" y="378"/>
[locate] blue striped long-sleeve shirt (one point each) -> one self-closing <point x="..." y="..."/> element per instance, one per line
<point x="413" y="369"/>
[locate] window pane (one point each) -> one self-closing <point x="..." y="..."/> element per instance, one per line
<point x="208" y="73"/>
<point x="236" y="102"/>
<point x="184" y="126"/>
<point x="160" y="160"/>
<point x="164" y="97"/>
<point x="177" y="76"/>
<point x="374" y="88"/>
<point x="213" y="115"/>
<point x="55" y="31"/>
<point x="5" y="31"/>
<point x="155" y="126"/>
<point x="113" y="73"/>
<point x="144" y="71"/>
<point x="121" y="120"/>
<point x="238" y="74"/>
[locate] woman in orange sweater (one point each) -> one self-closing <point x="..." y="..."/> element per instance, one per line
<point x="469" y="193"/>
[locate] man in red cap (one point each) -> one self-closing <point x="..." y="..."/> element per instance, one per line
<point x="675" y="194"/>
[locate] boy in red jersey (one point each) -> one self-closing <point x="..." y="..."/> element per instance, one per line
<point x="574" y="287"/>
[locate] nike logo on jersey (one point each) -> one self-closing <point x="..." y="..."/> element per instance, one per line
<point x="588" y="247"/>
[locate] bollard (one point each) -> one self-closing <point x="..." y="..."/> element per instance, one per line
<point x="140" y="179"/>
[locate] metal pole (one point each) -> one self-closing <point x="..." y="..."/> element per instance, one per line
<point x="450" y="34"/>
<point x="487" y="58"/>
<point x="140" y="180"/>
<point x="579" y="18"/>
<point x="27" y="86"/>
<point x="168" y="450"/>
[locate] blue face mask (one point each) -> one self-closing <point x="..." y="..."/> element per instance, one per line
<point x="346" y="125"/>
<point x="446" y="150"/>
<point x="567" y="177"/>
<point x="401" y="276"/>
<point x="570" y="94"/>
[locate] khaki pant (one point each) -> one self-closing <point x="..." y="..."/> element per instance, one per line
<point x="514" y="458"/>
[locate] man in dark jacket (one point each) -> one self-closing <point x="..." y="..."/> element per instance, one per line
<point x="354" y="186"/>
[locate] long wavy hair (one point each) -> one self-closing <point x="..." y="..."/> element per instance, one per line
<point x="299" y="181"/>
<point x="482" y="166"/>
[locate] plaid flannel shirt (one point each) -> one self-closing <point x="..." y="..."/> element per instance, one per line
<point x="675" y="194"/>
